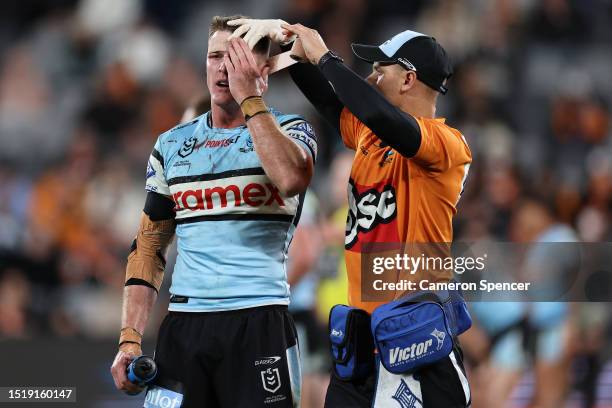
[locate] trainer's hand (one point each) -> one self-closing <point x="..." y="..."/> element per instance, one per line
<point x="313" y="44"/>
<point x="127" y="352"/>
<point x="257" y="29"/>
<point x="244" y="77"/>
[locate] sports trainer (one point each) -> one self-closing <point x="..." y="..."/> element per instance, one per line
<point x="230" y="184"/>
<point x="407" y="177"/>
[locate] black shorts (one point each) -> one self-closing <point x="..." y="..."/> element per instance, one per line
<point x="240" y="358"/>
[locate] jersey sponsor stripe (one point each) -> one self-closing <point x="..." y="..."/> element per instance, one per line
<point x="253" y="171"/>
<point x="237" y="217"/>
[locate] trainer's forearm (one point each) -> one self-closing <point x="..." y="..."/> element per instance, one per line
<point x="317" y="90"/>
<point x="393" y="126"/>
<point x="138" y="301"/>
<point x="285" y="163"/>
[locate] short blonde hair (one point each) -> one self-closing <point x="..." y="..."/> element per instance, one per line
<point x="219" y="23"/>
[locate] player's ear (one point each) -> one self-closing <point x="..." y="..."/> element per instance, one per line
<point x="409" y="78"/>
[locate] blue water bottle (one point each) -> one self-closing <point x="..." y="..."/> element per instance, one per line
<point x="141" y="371"/>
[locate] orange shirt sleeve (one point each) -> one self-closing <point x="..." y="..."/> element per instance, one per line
<point x="349" y="129"/>
<point x="441" y="147"/>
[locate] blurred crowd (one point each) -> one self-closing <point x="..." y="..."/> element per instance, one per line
<point x="86" y="86"/>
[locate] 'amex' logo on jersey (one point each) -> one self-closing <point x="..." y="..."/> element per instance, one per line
<point x="232" y="195"/>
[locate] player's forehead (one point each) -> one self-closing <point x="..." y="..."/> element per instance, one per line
<point x="218" y="41"/>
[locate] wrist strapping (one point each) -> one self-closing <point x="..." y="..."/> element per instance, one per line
<point x="253" y="105"/>
<point x="130" y="335"/>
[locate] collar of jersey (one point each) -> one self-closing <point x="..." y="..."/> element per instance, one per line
<point x="208" y="123"/>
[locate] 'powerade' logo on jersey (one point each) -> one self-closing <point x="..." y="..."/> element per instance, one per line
<point x="253" y="194"/>
<point x="217" y="143"/>
<point x="369" y="209"/>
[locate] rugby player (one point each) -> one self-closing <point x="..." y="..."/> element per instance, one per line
<point x="230" y="185"/>
<point x="409" y="166"/>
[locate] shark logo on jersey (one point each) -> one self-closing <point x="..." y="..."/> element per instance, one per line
<point x="188" y="146"/>
<point x="248" y="146"/>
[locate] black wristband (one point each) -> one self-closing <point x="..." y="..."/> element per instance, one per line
<point x="329" y="55"/>
<point x="246" y="118"/>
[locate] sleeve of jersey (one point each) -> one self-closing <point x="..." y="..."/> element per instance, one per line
<point x="303" y="133"/>
<point x="349" y="129"/>
<point x="440" y="148"/>
<point x="156" y="179"/>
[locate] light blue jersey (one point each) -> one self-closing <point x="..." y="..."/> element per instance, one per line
<point x="233" y="225"/>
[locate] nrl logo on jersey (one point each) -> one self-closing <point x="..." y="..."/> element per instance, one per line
<point x="188" y="147"/>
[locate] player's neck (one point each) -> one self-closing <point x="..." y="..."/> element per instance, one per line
<point x="226" y="116"/>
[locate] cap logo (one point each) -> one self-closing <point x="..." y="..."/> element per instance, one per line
<point x="391" y="46"/>
<point x="407" y="64"/>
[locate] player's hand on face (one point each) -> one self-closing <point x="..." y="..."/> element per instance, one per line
<point x="244" y="76"/>
<point x="127" y="352"/>
<point x="313" y="44"/>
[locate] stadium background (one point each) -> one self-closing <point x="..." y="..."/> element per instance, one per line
<point x="86" y="86"/>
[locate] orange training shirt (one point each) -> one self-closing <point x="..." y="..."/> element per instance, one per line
<point x="395" y="199"/>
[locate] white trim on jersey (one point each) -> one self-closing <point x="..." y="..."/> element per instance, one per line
<point x="156" y="181"/>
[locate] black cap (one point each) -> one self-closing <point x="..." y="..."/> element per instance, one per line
<point x="414" y="51"/>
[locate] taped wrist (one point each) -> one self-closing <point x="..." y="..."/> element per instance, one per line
<point x="252" y="106"/>
<point x="130" y="335"/>
<point x="146" y="261"/>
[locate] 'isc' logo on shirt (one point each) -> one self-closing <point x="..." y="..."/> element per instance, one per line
<point x="372" y="214"/>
